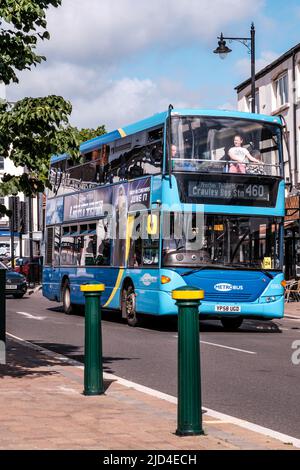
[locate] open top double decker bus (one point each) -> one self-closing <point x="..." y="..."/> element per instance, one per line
<point x="186" y="197"/>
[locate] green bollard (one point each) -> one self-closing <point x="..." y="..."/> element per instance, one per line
<point x="189" y="409"/>
<point x="93" y="369"/>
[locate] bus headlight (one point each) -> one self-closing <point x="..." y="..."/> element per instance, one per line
<point x="270" y="298"/>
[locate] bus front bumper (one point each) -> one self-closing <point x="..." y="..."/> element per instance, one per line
<point x="267" y="310"/>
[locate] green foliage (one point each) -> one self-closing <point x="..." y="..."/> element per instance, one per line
<point x="30" y="133"/>
<point x="22" y="24"/>
<point x="87" y="134"/>
<point x="33" y="129"/>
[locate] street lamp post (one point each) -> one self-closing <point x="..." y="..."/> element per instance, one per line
<point x="249" y="42"/>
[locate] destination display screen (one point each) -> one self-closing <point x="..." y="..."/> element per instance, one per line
<point x="229" y="191"/>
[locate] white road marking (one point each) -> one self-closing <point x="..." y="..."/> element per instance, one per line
<point x="32" y="317"/>
<point x="228" y="347"/>
<point x="155" y="393"/>
<point x="225" y="347"/>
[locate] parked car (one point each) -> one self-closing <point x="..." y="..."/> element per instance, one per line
<point x="15" y="284"/>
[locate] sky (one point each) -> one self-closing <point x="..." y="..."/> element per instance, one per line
<point x="119" y="61"/>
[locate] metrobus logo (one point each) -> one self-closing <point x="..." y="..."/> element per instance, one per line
<point x="226" y="287"/>
<point x="147" y="279"/>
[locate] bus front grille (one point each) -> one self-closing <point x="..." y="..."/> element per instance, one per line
<point x="228" y="297"/>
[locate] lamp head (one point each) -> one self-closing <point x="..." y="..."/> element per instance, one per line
<point x="222" y="49"/>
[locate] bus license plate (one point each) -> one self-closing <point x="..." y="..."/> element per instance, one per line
<point x="227" y="308"/>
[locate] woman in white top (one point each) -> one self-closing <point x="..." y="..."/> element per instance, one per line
<point x="240" y="156"/>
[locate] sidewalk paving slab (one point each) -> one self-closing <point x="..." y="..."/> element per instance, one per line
<point x="292" y="309"/>
<point x="42" y="407"/>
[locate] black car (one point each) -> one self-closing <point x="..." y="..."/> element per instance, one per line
<point x="16" y="284"/>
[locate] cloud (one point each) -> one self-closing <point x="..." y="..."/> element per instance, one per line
<point x="229" y="106"/>
<point x="69" y="80"/>
<point x="243" y="65"/>
<point x="98" y="99"/>
<point x="129" y="99"/>
<point x="2" y="91"/>
<point x="106" y="31"/>
<point x="92" y="41"/>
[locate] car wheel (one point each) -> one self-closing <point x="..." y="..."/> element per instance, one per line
<point x="18" y="296"/>
<point x="232" y="324"/>
<point x="129" y="306"/>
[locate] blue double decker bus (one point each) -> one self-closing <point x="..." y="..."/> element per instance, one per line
<point x="185" y="197"/>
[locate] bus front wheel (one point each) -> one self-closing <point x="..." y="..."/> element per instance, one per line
<point x="129" y="305"/>
<point x="232" y="324"/>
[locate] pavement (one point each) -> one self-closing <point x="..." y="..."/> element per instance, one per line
<point x="292" y="310"/>
<point x="34" y="289"/>
<point x="42" y="407"/>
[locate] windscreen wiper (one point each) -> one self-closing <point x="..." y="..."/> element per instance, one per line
<point x="207" y="266"/>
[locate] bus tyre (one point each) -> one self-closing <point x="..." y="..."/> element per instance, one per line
<point x="129" y="305"/>
<point x="66" y="298"/>
<point x="231" y="324"/>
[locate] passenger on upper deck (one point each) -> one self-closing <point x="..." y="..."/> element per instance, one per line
<point x="182" y="163"/>
<point x="240" y="156"/>
<point x="173" y="150"/>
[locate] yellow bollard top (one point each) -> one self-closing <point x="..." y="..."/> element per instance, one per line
<point x="92" y="287"/>
<point x="187" y="293"/>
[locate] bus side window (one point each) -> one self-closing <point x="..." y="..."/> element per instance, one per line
<point x="153" y="152"/>
<point x="56" y="253"/>
<point x="49" y="250"/>
<point x="103" y="248"/>
<point x="117" y="159"/>
<point x="135" y="256"/>
<point x="73" y="176"/>
<point x="144" y="246"/>
<point x="134" y="158"/>
<point x="95" y="168"/>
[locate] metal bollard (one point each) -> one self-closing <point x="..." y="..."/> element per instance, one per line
<point x="189" y="410"/>
<point x="93" y="369"/>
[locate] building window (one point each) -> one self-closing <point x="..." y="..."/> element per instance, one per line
<point x="1" y="163"/>
<point x="248" y="103"/>
<point x="249" y="100"/>
<point x="281" y="90"/>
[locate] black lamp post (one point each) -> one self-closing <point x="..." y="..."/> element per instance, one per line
<point x="223" y="50"/>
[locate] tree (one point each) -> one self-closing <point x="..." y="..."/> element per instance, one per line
<point x="38" y="128"/>
<point x="87" y="134"/>
<point x="34" y="128"/>
<point x="22" y="24"/>
<point x="31" y="132"/>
